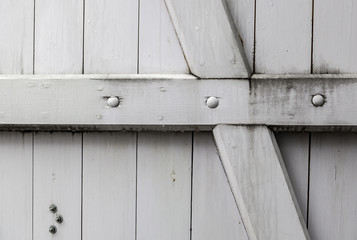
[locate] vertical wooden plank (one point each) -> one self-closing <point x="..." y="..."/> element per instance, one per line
<point x="15" y="186"/>
<point x="333" y="191"/>
<point x="58" y="36"/>
<point x="57" y="180"/>
<point x="109" y="186"/>
<point x="111" y="36"/>
<point x="243" y="16"/>
<point x="259" y="182"/>
<point x="159" y="49"/>
<point x="164" y="186"/>
<point x="294" y="148"/>
<point x="283" y="36"/>
<point x="214" y="212"/>
<point x="16" y="36"/>
<point x="335" y="36"/>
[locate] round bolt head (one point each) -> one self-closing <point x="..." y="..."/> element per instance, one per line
<point x="212" y="102"/>
<point x="59" y="219"/>
<point x="318" y="100"/>
<point x="53" y="208"/>
<point x="52" y="229"/>
<point x="113" y="101"/>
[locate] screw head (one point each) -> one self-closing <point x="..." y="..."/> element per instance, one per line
<point x="318" y="100"/>
<point x="59" y="219"/>
<point x="52" y="229"/>
<point x="113" y="101"/>
<point x="212" y="102"/>
<point x="53" y="208"/>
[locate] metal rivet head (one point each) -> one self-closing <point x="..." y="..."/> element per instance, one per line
<point x="52" y="229"/>
<point x="212" y="102"/>
<point x="113" y="101"/>
<point x="59" y="218"/>
<point x="53" y="208"/>
<point x="318" y="100"/>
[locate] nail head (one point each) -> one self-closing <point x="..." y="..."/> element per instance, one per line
<point x="212" y="102"/>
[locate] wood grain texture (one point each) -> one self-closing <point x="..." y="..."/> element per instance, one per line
<point x="58" y="36"/>
<point x="283" y="36"/>
<point x="111" y="36"/>
<point x="57" y="180"/>
<point x="159" y="48"/>
<point x="260" y="183"/>
<point x="209" y="38"/>
<point x="214" y="211"/>
<point x="243" y="16"/>
<point x="15" y="186"/>
<point x="109" y="186"/>
<point x="16" y="36"/>
<point x="294" y="148"/>
<point x="333" y="190"/>
<point x="164" y="186"/>
<point x="335" y="36"/>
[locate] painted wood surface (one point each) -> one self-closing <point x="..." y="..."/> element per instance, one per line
<point x="164" y="186"/>
<point x="333" y="190"/>
<point x="58" y="36"/>
<point x="243" y="14"/>
<point x="15" y="186"/>
<point x="159" y="48"/>
<point x="208" y="38"/>
<point x="109" y="186"/>
<point x="214" y="211"/>
<point x="335" y="36"/>
<point x="283" y="36"/>
<point x="111" y="36"/>
<point x="294" y="148"/>
<point x="57" y="180"/>
<point x="260" y="183"/>
<point x="16" y="36"/>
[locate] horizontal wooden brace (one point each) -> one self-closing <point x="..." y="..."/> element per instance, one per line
<point x="175" y="102"/>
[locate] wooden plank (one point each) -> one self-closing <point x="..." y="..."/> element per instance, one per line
<point x="111" y="36"/>
<point x="57" y="180"/>
<point x="283" y="36"/>
<point x="58" y="36"/>
<point x="333" y="190"/>
<point x="294" y="148"/>
<point x="155" y="102"/>
<point x="15" y="185"/>
<point x="335" y="36"/>
<point x="209" y="38"/>
<point x="259" y="182"/>
<point x="164" y="186"/>
<point x="109" y="186"/>
<point x="16" y="36"/>
<point x="243" y="14"/>
<point x="159" y="49"/>
<point x="214" y="211"/>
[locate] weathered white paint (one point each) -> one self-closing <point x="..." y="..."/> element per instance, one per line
<point x="243" y="16"/>
<point x="16" y="36"/>
<point x="260" y="183"/>
<point x="208" y="38"/>
<point x="15" y="185"/>
<point x="214" y="212"/>
<point x="335" y="36"/>
<point x="159" y="48"/>
<point x="333" y="190"/>
<point x="156" y="102"/>
<point x="57" y="180"/>
<point x="164" y="186"/>
<point x="283" y="36"/>
<point x="111" y="36"/>
<point x="109" y="186"/>
<point x="58" y="36"/>
<point x="294" y="148"/>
